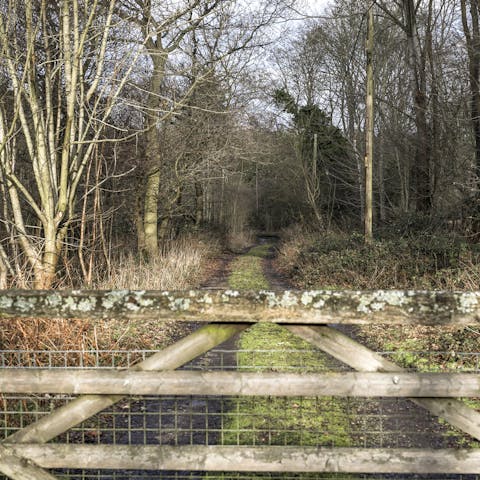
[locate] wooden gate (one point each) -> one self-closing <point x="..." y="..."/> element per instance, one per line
<point x="308" y="314"/>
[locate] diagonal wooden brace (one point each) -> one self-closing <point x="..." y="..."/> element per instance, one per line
<point x="363" y="359"/>
<point x="19" y="468"/>
<point x="84" y="407"/>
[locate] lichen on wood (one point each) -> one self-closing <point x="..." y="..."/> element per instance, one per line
<point x="289" y="306"/>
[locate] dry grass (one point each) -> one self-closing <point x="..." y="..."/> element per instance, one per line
<point x="180" y="267"/>
<point x="295" y="239"/>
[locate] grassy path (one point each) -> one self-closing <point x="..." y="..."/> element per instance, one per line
<point x="316" y="421"/>
<point x="247" y="270"/>
<point x="313" y="421"/>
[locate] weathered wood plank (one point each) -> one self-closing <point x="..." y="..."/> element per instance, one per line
<point x="363" y="359"/>
<point x="344" y="384"/>
<point x="253" y="459"/>
<point x="305" y="307"/>
<point x="18" y="468"/>
<point x="84" y="407"/>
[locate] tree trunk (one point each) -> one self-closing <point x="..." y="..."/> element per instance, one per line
<point x="422" y="155"/>
<point x="352" y="135"/>
<point x="369" y="133"/>
<point x="198" y="204"/>
<point x="46" y="273"/>
<point x="158" y="57"/>
<point x="4" y="269"/>
<point x="472" y="36"/>
<point x="382" y="200"/>
<point x="421" y="166"/>
<point x="474" y="74"/>
<point x="164" y="229"/>
<point x="150" y="212"/>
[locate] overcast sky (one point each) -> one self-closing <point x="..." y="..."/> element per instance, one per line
<point x="316" y="6"/>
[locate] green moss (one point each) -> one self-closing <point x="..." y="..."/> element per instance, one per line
<point x="305" y="421"/>
<point x="247" y="274"/>
<point x="284" y="421"/>
<point x="247" y="270"/>
<point x="268" y="346"/>
<point x="262" y="251"/>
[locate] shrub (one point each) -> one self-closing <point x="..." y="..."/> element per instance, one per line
<point x="338" y="260"/>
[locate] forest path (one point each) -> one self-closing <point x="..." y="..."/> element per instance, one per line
<point x="388" y="423"/>
<point x="219" y="272"/>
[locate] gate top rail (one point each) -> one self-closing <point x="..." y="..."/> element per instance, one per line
<point x="281" y="306"/>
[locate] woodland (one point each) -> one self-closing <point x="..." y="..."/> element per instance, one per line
<point x="131" y="129"/>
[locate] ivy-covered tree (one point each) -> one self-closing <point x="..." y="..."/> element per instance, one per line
<point x="325" y="157"/>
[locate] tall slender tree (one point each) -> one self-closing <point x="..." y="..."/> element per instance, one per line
<point x="62" y="89"/>
<point x="471" y="29"/>
<point x="369" y="124"/>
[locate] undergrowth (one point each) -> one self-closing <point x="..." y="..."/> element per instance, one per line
<point x="341" y="261"/>
<point x="178" y="268"/>
<point x="427" y="262"/>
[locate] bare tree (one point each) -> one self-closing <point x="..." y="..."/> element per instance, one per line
<point x="168" y="30"/>
<point x="61" y="90"/>
<point x="471" y="30"/>
<point x="369" y="133"/>
<point x="418" y="45"/>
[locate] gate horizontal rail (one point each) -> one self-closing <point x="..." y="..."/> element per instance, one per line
<point x="226" y="306"/>
<point x="251" y="459"/>
<point x="24" y="455"/>
<point x="345" y="384"/>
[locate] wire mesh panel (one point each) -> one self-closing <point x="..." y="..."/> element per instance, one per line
<point x="242" y="421"/>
